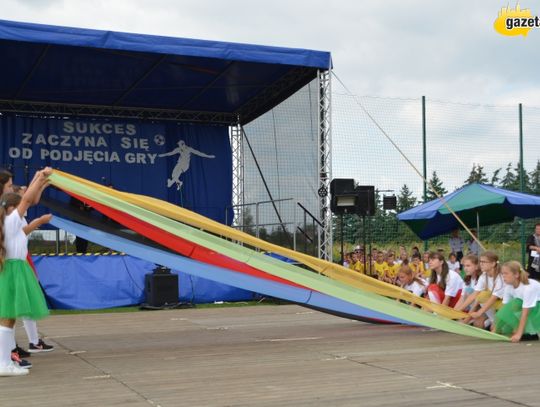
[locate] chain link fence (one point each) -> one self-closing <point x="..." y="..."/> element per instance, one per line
<point x="465" y="143"/>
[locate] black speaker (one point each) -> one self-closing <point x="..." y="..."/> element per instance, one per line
<point x="161" y="289"/>
<point x="343" y="196"/>
<point x="389" y="202"/>
<point x="344" y="203"/>
<point x="365" y="204"/>
<point x="340" y="186"/>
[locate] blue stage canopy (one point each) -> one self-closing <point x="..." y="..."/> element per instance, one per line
<point x="83" y="67"/>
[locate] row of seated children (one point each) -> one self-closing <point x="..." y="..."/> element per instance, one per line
<point x="497" y="297"/>
<point x="385" y="265"/>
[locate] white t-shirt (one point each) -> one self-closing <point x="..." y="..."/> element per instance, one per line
<point x="529" y="293"/>
<point x="454" y="283"/>
<point x="485" y="282"/>
<point x="470" y="286"/>
<point x="415" y="288"/>
<point x="15" y="240"/>
<point x="456" y="244"/>
<point x="453" y="266"/>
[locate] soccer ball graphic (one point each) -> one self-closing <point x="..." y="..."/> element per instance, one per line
<point x="159" y="139"/>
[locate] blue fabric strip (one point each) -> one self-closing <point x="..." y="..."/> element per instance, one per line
<point x="221" y="275"/>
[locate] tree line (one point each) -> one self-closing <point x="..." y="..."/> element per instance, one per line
<point x="384" y="227"/>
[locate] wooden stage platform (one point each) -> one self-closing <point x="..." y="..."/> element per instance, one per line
<point x="266" y="356"/>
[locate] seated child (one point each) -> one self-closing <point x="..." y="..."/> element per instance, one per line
<point x="519" y="317"/>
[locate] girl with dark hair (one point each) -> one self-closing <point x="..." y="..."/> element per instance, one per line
<point x="20" y="293"/>
<point x="444" y="285"/>
<point x="6" y="181"/>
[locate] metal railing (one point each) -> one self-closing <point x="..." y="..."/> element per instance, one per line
<point x="289" y="222"/>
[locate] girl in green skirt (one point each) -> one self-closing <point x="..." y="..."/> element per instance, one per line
<point x="20" y="293"/>
<point x="519" y="317"/>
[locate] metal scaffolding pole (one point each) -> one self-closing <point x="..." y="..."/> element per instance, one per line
<point x="237" y="146"/>
<point x="325" y="163"/>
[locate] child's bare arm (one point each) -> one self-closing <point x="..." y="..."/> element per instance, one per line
<point x="36" y="223"/>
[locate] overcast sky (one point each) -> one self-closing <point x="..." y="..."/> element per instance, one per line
<point x="444" y="49"/>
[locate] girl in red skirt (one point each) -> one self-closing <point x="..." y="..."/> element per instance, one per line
<point x="444" y="285"/>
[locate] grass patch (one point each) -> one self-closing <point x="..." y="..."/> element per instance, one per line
<point x="135" y="308"/>
<point x="94" y="311"/>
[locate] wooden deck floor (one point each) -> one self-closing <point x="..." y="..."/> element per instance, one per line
<point x="266" y="356"/>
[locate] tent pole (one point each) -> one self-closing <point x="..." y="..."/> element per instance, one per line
<point x="477" y="225"/>
<point x="341" y="233"/>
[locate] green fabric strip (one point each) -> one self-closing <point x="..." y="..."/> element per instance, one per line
<point x="276" y="267"/>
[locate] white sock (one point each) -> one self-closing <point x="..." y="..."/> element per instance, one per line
<point x="31" y="330"/>
<point x="12" y="342"/>
<point x="6" y="337"/>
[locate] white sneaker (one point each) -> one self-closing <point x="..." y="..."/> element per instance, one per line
<point x="13" y="370"/>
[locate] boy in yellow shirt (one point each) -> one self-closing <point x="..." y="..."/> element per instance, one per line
<point x="380" y="265"/>
<point x="392" y="268"/>
<point x="417" y="266"/>
<point x="356" y="263"/>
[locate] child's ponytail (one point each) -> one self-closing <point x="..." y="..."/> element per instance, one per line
<point x="7" y="200"/>
<point x="3" y="209"/>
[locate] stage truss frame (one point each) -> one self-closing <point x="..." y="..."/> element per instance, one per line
<point x="234" y="120"/>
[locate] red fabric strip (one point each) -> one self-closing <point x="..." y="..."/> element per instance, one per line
<point x="178" y="244"/>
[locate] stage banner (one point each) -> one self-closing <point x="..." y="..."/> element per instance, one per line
<point x="98" y="281"/>
<point x="186" y="164"/>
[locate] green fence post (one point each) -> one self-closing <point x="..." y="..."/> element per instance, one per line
<point x="521" y="180"/>
<point x="424" y="159"/>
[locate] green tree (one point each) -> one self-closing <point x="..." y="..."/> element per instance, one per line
<point x="534" y="180"/>
<point x="510" y="180"/>
<point x="495" y="177"/>
<point x="477" y="175"/>
<point x="405" y="199"/>
<point x="525" y="179"/>
<point x="248" y="225"/>
<point x="437" y="185"/>
<point x="263" y="234"/>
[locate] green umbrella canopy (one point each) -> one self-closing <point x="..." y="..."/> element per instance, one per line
<point x="473" y="203"/>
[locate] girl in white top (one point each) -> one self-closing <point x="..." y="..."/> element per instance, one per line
<point x="488" y="292"/>
<point x="519" y="317"/>
<point x="35" y="344"/>
<point x="408" y="280"/>
<point x="20" y="294"/>
<point x="444" y="285"/>
<point x="472" y="274"/>
<point x="453" y="263"/>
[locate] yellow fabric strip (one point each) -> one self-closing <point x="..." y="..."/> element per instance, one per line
<point x="331" y="270"/>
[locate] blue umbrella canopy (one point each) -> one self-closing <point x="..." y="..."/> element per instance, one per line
<point x="473" y="203"/>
